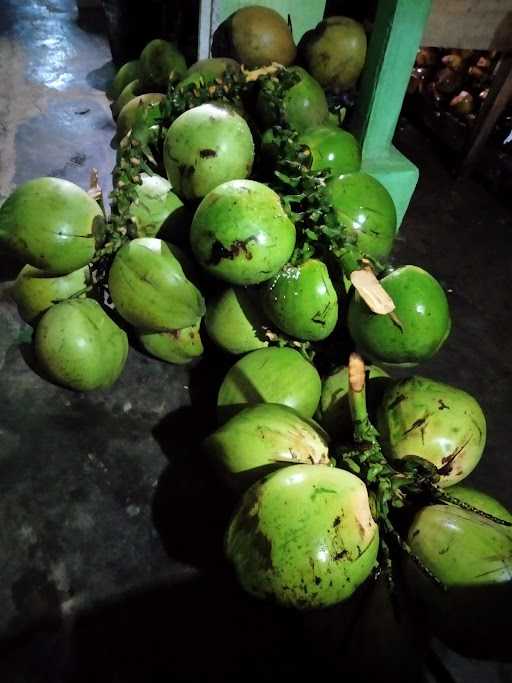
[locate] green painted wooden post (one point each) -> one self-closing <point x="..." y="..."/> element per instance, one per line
<point x="393" y="45"/>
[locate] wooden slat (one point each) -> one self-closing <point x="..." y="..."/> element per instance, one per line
<point x="495" y="102"/>
<point x="472" y="24"/>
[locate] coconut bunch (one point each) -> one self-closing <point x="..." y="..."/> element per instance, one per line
<point x="240" y="218"/>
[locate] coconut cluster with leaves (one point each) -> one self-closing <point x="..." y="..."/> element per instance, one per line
<point x="240" y="213"/>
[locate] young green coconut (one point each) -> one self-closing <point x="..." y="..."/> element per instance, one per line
<point x="160" y="62"/>
<point x="34" y="290"/>
<point x="472" y="556"/>
<point x="234" y="322"/>
<point x="176" y="346"/>
<point x="149" y="288"/>
<point x="438" y="422"/>
<point x="293" y="99"/>
<point x="128" y="114"/>
<point x="156" y="210"/>
<point x="301" y="301"/>
<point x="51" y="224"/>
<point x="79" y="346"/>
<point x="332" y="148"/>
<point x="241" y="233"/>
<point x="421" y="322"/>
<point x="206" y="146"/>
<point x="270" y="375"/>
<point x="364" y="212"/>
<point x="304" y="537"/>
<point x="334" y="409"/>
<point x="128" y="73"/>
<point x="335" y="52"/>
<point x="263" y="438"/>
<point x="259" y="35"/>
<point x="208" y="72"/>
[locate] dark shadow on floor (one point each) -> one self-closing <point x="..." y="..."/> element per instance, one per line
<point x="99" y="79"/>
<point x="205" y="628"/>
<point x="9" y="267"/>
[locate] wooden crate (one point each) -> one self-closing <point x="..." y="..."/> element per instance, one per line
<point x="476" y="25"/>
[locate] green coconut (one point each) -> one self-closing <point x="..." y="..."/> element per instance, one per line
<point x="50" y="224"/>
<point x="150" y="289"/>
<point x="234" y="322"/>
<point x="263" y="438"/>
<point x="302" y="301"/>
<point x="240" y="233"/>
<point x="34" y="290"/>
<point x="435" y="421"/>
<point x="304" y="537"/>
<point x="271" y="375"/>
<point x="176" y="346"/>
<point x="79" y="346"/>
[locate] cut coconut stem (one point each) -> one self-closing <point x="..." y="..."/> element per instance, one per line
<point x="364" y="431"/>
<point x="95" y="190"/>
<point x="371" y="291"/>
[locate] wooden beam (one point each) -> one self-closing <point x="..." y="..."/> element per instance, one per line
<point x="494" y="104"/>
<point x="472" y="24"/>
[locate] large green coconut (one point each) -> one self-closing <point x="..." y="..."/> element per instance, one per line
<point x="130" y="111"/>
<point x="129" y="92"/>
<point x="149" y="288"/>
<point x="176" y="346"/>
<point x="364" y="213"/>
<point x="156" y="210"/>
<point x="263" y="438"/>
<point x="79" y="346"/>
<point x="334" y="408"/>
<point x="206" y="146"/>
<point x="472" y="558"/>
<point x="301" y="301"/>
<point x="435" y="421"/>
<point x="332" y="148"/>
<point x="50" y="224"/>
<point x="241" y="234"/>
<point x="420" y="328"/>
<point x="127" y="73"/>
<point x="302" y="106"/>
<point x="304" y="536"/>
<point x="234" y="322"/>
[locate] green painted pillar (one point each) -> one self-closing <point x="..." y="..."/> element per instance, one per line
<point x="393" y="45"/>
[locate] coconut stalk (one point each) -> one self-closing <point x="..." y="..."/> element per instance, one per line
<point x="303" y="194"/>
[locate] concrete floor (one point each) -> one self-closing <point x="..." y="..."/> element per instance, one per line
<point x="110" y="533"/>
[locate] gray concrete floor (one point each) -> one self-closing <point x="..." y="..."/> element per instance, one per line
<point x="109" y="537"/>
